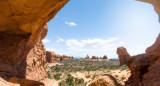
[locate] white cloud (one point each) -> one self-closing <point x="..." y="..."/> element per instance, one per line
<point x="92" y="47"/>
<point x="46" y="41"/>
<point x="60" y="40"/>
<point x="122" y="43"/>
<point x="71" y="23"/>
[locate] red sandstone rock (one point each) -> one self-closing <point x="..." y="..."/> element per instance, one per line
<point x="105" y="80"/>
<point x="6" y="83"/>
<point x="51" y="57"/>
<point x="65" y="57"/>
<point x="94" y="57"/>
<point x="22" y="27"/>
<point x="123" y="55"/>
<point x="105" y="57"/>
<point x="87" y="57"/>
<point x="145" y="68"/>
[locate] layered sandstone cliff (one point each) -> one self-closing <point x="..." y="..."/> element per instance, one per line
<point x="22" y="27"/>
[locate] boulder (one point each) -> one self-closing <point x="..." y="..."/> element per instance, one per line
<point x="105" y="80"/>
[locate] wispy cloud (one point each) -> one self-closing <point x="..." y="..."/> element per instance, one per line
<point x="46" y="41"/>
<point x="122" y="43"/>
<point x="60" y="40"/>
<point x="91" y="46"/>
<point x="71" y="24"/>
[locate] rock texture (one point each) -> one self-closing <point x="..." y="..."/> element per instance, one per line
<point x="51" y="57"/>
<point x="22" y="27"/>
<point x="145" y="68"/>
<point x="6" y="83"/>
<point x="105" y="80"/>
<point x="155" y="3"/>
<point x="123" y="55"/>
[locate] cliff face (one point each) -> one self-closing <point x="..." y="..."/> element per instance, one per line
<point x="22" y="27"/>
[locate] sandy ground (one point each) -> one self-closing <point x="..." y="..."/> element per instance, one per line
<point x="120" y="75"/>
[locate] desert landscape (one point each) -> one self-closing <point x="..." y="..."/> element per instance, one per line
<point x="85" y="71"/>
<point x="24" y="60"/>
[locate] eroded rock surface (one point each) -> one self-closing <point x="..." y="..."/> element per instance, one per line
<point x="105" y="80"/>
<point x="123" y="55"/>
<point x="52" y="57"/>
<point x="22" y="27"/>
<point x="145" y="68"/>
<point x="155" y="3"/>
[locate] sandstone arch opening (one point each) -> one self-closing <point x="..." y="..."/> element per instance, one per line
<point x="22" y="54"/>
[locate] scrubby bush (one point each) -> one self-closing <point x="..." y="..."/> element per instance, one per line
<point x="71" y="81"/>
<point x="57" y="76"/>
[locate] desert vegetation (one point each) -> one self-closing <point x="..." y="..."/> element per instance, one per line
<point x="80" y="72"/>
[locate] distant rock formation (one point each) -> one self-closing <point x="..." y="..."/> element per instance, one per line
<point x="105" y="57"/>
<point x="105" y="80"/>
<point x="87" y="57"/>
<point x="51" y="57"/>
<point x="94" y="57"/>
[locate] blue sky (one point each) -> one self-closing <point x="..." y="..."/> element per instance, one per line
<point x="98" y="27"/>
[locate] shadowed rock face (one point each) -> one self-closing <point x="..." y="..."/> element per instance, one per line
<point x="22" y="27"/>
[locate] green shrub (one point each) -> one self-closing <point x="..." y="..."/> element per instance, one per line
<point x="57" y="76"/>
<point x="88" y="76"/>
<point x="71" y="81"/>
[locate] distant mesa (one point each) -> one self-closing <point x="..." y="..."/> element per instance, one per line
<point x="52" y="57"/>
